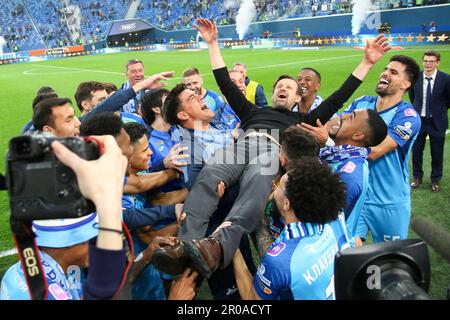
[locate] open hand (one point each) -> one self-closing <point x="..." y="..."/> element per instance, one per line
<point x="153" y="82"/>
<point x="319" y="133"/>
<point x="376" y="48"/>
<point x="207" y="29"/>
<point x="174" y="157"/>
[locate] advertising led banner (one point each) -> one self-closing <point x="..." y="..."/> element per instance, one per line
<point x="53" y="51"/>
<point x="403" y="39"/>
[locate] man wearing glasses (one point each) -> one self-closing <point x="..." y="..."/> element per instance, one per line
<point x="431" y="99"/>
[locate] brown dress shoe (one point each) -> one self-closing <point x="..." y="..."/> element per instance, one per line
<point x="171" y="259"/>
<point x="435" y="187"/>
<point x="205" y="255"/>
<point x="416" y="183"/>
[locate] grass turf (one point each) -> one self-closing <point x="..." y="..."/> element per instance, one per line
<point x="20" y="82"/>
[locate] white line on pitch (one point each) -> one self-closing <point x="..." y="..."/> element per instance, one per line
<point x="27" y="72"/>
<point x="80" y="69"/>
<point x="7" y="253"/>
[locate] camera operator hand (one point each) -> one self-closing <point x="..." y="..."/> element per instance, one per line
<point x="101" y="181"/>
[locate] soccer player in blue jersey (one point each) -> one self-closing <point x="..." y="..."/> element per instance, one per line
<point x="309" y="81"/>
<point x="162" y="135"/>
<point x="253" y="172"/>
<point x="194" y="81"/>
<point x="387" y="209"/>
<point x="203" y="137"/>
<point x="148" y="286"/>
<point x="353" y="134"/>
<point x="300" y="263"/>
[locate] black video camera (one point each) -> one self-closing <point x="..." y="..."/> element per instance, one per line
<point x="39" y="185"/>
<point x="397" y="270"/>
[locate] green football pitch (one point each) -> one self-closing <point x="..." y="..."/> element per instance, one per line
<point x="20" y="82"/>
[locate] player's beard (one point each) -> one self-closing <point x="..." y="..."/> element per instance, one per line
<point x="333" y="134"/>
<point x="276" y="210"/>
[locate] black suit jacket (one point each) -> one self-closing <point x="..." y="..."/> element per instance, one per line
<point x="440" y="99"/>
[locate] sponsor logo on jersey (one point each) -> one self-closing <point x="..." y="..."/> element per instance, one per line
<point x="410" y="112"/>
<point x="403" y="131"/>
<point x="58" y="292"/>
<point x="349" y="167"/>
<point x="277" y="249"/>
<point x="261" y="278"/>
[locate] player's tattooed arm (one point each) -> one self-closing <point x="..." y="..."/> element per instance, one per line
<point x="263" y="238"/>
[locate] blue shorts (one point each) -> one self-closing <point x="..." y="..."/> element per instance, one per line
<point x="384" y="224"/>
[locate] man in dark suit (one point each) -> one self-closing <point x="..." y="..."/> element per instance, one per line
<point x="431" y="99"/>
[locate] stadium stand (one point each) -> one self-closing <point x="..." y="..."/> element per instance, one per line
<point x="27" y="24"/>
<point x="17" y="28"/>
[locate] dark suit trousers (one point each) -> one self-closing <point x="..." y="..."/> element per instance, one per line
<point x="437" y="140"/>
<point x="252" y="163"/>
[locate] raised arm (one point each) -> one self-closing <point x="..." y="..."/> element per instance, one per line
<point x="147" y="181"/>
<point x="375" y="49"/>
<point x="234" y="96"/>
<point x="121" y="97"/>
<point x="101" y="181"/>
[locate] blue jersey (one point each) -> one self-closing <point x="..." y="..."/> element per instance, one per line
<point x="132" y="117"/>
<point x="224" y="113"/>
<point x="161" y="142"/>
<point x="60" y="286"/>
<point x="317" y="101"/>
<point x="28" y="127"/>
<point x="148" y="285"/>
<point x="389" y="174"/>
<point x="130" y="201"/>
<point x="201" y="146"/>
<point x="351" y="165"/>
<point x="300" y="263"/>
<point x="133" y="104"/>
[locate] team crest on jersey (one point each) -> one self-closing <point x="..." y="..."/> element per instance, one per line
<point x="349" y="167"/>
<point x="410" y="112"/>
<point x="403" y="131"/>
<point x="277" y="249"/>
<point x="159" y="142"/>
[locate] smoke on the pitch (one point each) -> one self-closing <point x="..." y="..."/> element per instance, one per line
<point x="360" y="11"/>
<point x="246" y="14"/>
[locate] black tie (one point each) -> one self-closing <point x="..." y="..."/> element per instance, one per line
<point x="428" y="100"/>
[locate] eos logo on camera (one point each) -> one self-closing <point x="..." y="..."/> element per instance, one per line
<point x="30" y="262"/>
